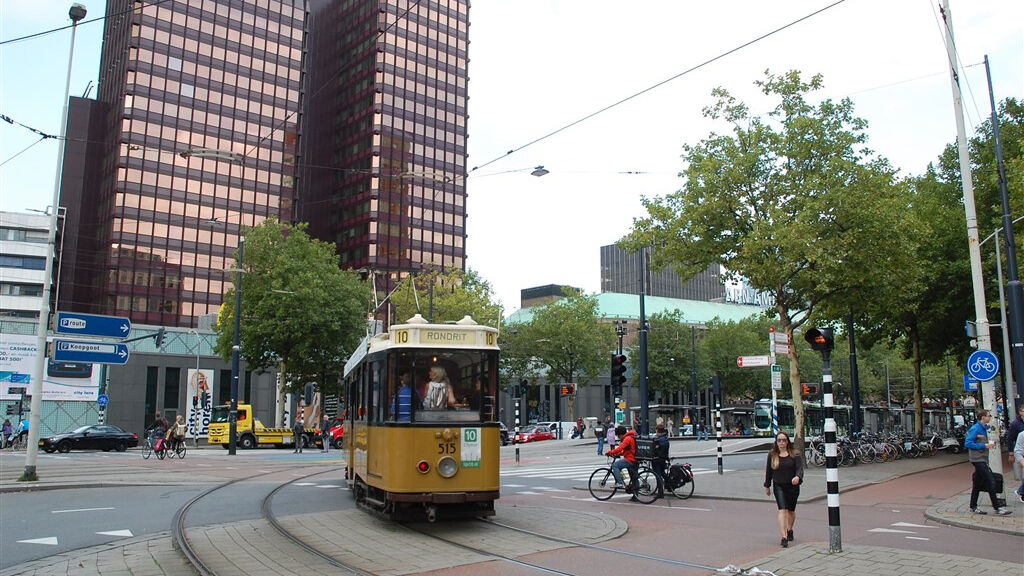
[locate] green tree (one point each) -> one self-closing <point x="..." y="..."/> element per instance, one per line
<point x="564" y="340"/>
<point x="300" y="311"/>
<point x="723" y="343"/>
<point x="795" y="204"/>
<point x="447" y="296"/>
<point x="669" y="353"/>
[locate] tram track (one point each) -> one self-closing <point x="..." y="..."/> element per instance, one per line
<point x="203" y="565"/>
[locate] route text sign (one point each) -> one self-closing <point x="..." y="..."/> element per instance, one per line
<point x="92" y="325"/>
<point x="89" y="352"/>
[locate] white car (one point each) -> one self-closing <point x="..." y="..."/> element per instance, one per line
<point x="567" y="428"/>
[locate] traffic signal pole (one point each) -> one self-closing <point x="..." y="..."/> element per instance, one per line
<point x="821" y="340"/>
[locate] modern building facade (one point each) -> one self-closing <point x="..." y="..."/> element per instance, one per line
<point x="199" y="109"/>
<point x="620" y="273"/>
<point x="386" y="125"/>
<point x="23" y="242"/>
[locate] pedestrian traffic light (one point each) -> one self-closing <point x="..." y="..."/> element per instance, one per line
<point x="618" y="377"/>
<point x="159" y="337"/>
<point x="820" y="339"/>
<point x="810" y="389"/>
<point x="568" y="389"/>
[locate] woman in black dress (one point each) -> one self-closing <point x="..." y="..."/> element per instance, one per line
<point x="783" y="474"/>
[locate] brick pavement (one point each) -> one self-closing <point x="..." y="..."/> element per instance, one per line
<point x="157" y="556"/>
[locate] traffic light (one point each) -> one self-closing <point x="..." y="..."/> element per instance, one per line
<point x="159" y="337"/>
<point x="568" y="389"/>
<point x="820" y="339"/>
<point x="809" y="389"/>
<point x="618" y="377"/>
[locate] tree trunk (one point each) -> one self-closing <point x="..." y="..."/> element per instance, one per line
<point x="794" y="381"/>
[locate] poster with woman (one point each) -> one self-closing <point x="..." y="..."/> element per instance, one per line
<point x="198" y="402"/>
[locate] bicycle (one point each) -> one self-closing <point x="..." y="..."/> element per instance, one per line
<point x="679" y="480"/>
<point x="149" y="448"/>
<point x="602" y="484"/>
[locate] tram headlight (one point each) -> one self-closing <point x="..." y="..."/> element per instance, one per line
<point x="447" y="467"/>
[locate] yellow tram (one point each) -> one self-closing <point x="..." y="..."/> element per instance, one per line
<point x="422" y="433"/>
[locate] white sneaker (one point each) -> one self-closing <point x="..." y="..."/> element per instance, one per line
<point x="1002" y="511"/>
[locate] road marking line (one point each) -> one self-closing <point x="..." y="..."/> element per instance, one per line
<point x="305" y="484"/>
<point x="81" y="510"/>
<point x="51" y="541"/>
<point x="916" y="538"/>
<point x="909" y="525"/>
<point x="327" y="486"/>
<point x="891" y="531"/>
<point x="123" y="533"/>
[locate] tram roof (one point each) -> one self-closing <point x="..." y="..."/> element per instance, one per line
<point x="627" y="306"/>
<point x="418" y="333"/>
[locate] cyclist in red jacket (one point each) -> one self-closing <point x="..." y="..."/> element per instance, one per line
<point x="626" y="449"/>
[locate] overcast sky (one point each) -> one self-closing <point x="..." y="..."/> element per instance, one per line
<point x="537" y="66"/>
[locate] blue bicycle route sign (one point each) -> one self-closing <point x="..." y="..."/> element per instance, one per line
<point x="983" y="365"/>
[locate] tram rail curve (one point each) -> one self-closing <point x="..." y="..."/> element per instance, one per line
<point x="183" y="543"/>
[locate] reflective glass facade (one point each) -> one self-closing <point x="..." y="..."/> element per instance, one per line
<point x="202" y="101"/>
<point x="386" y="143"/>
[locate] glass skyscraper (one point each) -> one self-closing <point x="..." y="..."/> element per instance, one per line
<point x="386" y="145"/>
<point x="218" y="114"/>
<point x="201" y="102"/>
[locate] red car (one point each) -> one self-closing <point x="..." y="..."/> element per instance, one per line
<point x="337" y="431"/>
<point x="533" y="433"/>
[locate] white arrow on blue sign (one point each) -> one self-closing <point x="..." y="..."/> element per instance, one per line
<point x="103" y="399"/>
<point x="92" y="325"/>
<point x="983" y="365"/>
<point x="91" y="352"/>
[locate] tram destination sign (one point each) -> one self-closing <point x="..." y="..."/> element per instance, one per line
<point x="92" y="325"/>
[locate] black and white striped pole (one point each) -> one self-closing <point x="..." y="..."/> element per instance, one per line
<point x="821" y="340"/>
<point x="716" y="390"/>
<point x="519" y="390"/>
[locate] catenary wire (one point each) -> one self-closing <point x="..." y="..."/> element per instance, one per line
<point x="23" y="150"/>
<point x="83" y="22"/>
<point x="659" y="84"/>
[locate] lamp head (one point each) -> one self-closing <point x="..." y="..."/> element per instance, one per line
<point x="77" y="12"/>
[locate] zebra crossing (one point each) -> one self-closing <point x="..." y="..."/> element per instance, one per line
<point x="580" y="473"/>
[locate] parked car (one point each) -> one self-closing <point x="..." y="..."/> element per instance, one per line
<point x="533" y="433"/>
<point x="503" y="432"/>
<point x="567" y="428"/>
<point x="104" y="437"/>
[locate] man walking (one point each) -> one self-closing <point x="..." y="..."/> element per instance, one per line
<point x="298" y="431"/>
<point x="977" y="445"/>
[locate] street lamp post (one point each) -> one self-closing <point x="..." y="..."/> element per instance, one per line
<point x="76" y="13"/>
<point x="235" y="345"/>
<point x="234" y="158"/>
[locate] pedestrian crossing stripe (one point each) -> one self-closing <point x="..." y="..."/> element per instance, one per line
<point x="573" y="472"/>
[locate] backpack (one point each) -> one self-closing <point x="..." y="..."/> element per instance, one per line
<point x="180" y="430"/>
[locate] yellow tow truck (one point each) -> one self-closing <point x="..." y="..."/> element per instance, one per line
<point x="250" y="431"/>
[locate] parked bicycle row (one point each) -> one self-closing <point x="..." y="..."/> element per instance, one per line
<point x="867" y="448"/>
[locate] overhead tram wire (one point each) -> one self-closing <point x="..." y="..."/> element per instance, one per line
<point x="659" y="84"/>
<point x="23" y="150"/>
<point x="82" y="23"/>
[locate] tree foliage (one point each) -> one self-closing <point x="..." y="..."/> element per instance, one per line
<point x="300" y="311"/>
<point x="795" y="203"/>
<point x="446" y="296"/>
<point x="564" y="340"/>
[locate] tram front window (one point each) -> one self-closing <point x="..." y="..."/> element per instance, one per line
<point x="447" y="386"/>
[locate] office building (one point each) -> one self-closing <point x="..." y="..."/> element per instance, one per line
<point x="386" y="125"/>
<point x="198" y="112"/>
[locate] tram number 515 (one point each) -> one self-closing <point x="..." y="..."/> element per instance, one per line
<point x="446" y="447"/>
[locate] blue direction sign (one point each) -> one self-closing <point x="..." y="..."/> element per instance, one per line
<point x="92" y="325"/>
<point x="970" y="384"/>
<point x="103" y="399"/>
<point x="983" y="365"/>
<point x="89" y="352"/>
